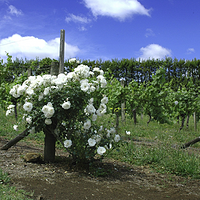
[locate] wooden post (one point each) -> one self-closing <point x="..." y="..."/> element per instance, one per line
<point x="195" y="122"/>
<point x="49" y="147"/>
<point x="50" y="139"/>
<point x="117" y="113"/>
<point x="123" y="105"/>
<point x="190" y="143"/>
<point x="54" y="68"/>
<point x="62" y="51"/>
<point x="29" y="72"/>
<point x="142" y="113"/>
<point x="15" y="140"/>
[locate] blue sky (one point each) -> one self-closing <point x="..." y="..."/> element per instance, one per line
<point x="100" y="29"/>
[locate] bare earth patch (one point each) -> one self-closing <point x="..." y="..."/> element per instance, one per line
<point x="64" y="181"/>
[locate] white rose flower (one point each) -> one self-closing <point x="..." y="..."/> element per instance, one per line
<point x="29" y="119"/>
<point x="87" y="124"/>
<point x="96" y="69"/>
<point x="92" y="88"/>
<point x="29" y="91"/>
<point x="15" y="127"/>
<point x="21" y="89"/>
<point x="103" y="83"/>
<point x="82" y="71"/>
<point x="90" y="109"/>
<point x="66" y="105"/>
<point x="46" y="91"/>
<point x="39" y="80"/>
<point x="97" y="138"/>
<point x="31" y="78"/>
<point x="117" y="138"/>
<point x="48" y="121"/>
<point x="45" y="109"/>
<point x="72" y="60"/>
<point x="101" y="150"/>
<point x="40" y="97"/>
<point x="28" y="106"/>
<point x="14" y="92"/>
<point x="11" y="106"/>
<point x="60" y="80"/>
<point x="101" y="72"/>
<point x="102" y="109"/>
<point x="11" y="110"/>
<point x="91" y="142"/>
<point x="102" y="80"/>
<point x="71" y="75"/>
<point x="48" y="110"/>
<point x="47" y="78"/>
<point x="34" y="84"/>
<point x="8" y="112"/>
<point x="112" y="130"/>
<point x="128" y="132"/>
<point x="91" y="101"/>
<point x="67" y="143"/>
<point x="85" y="86"/>
<point x="94" y="117"/>
<point x="91" y="73"/>
<point x="108" y="135"/>
<point x="104" y="100"/>
<point x="101" y="129"/>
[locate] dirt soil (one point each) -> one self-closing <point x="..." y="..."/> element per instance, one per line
<point x="63" y="181"/>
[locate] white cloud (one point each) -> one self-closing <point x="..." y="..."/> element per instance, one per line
<point x="120" y="9"/>
<point x="82" y="28"/>
<point x="149" y="32"/>
<point x="77" y="19"/>
<point x="30" y="47"/>
<point x="14" y="11"/>
<point x="154" y="51"/>
<point x="190" y="50"/>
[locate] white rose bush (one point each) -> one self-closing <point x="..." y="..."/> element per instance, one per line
<point x="68" y="105"/>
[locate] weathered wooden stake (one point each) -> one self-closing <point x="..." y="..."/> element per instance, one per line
<point x="142" y="113"/>
<point x="50" y="139"/>
<point x="123" y="105"/>
<point x="49" y="147"/>
<point x="135" y="116"/>
<point x="29" y="71"/>
<point x="190" y="143"/>
<point x="54" y="68"/>
<point x="15" y="140"/>
<point x="195" y="122"/>
<point x="62" y="51"/>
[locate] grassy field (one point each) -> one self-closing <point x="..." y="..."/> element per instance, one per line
<point x="7" y="191"/>
<point x="156" y="146"/>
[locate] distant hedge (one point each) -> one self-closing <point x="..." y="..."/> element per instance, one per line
<point x="131" y="69"/>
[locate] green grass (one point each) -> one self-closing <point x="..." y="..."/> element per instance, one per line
<point x="157" y="149"/>
<point x="8" y="192"/>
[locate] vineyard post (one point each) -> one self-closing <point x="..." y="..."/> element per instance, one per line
<point x="29" y="72"/>
<point x="123" y="104"/>
<point x="50" y="140"/>
<point x="195" y="122"/>
<point x="142" y="113"/>
<point x="62" y="51"/>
